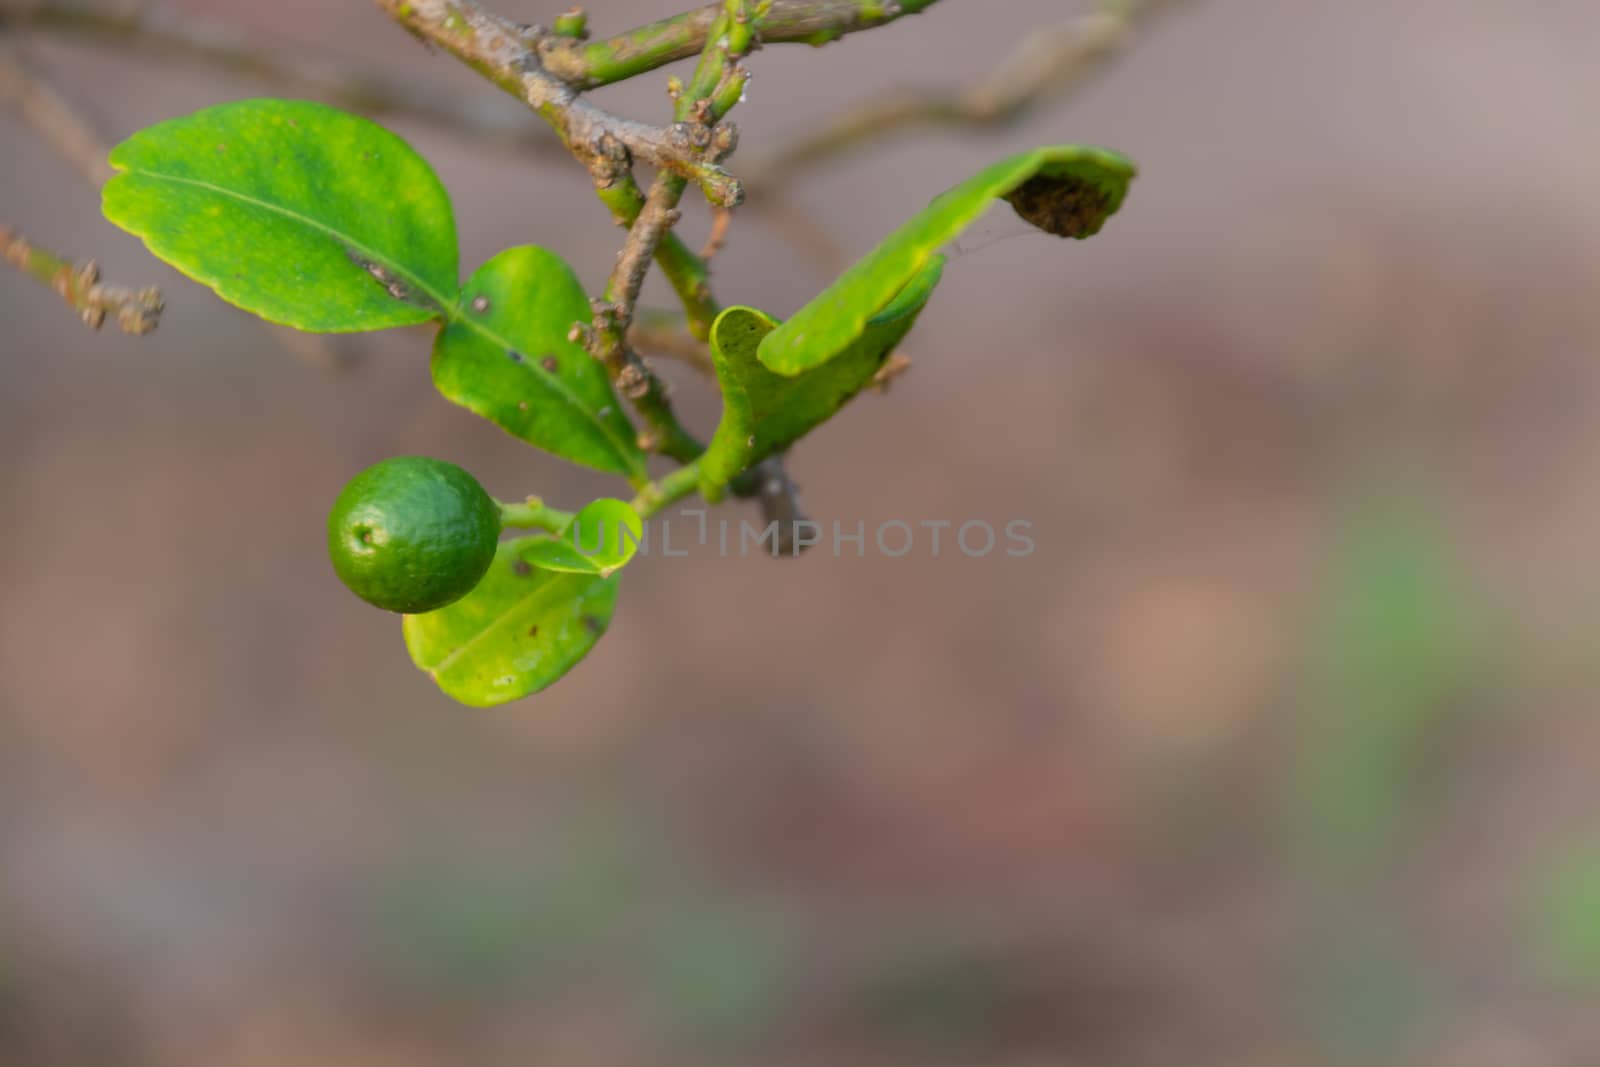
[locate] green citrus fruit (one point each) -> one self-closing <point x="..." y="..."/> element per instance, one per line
<point x="412" y="534"/>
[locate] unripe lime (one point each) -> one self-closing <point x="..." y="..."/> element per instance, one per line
<point x="412" y="534"/>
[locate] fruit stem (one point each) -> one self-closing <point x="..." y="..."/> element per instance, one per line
<point x="674" y="487"/>
<point x="534" y="514"/>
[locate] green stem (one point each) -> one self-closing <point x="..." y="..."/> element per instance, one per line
<point x="732" y="36"/>
<point x="593" y="64"/>
<point x="534" y="514"/>
<point x="669" y="490"/>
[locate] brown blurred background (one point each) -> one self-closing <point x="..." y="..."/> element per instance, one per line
<point x="1280" y="750"/>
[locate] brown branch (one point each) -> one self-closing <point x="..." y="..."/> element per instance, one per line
<point x="48" y="113"/>
<point x="689" y="275"/>
<point x="802" y="230"/>
<point x="507" y="54"/>
<point x="660" y="214"/>
<point x="564" y="54"/>
<point x="689" y="149"/>
<point x="135" y="311"/>
<point x="778" y="496"/>
<point x="613" y="315"/>
<point x="666" y="333"/>
<point x="897" y="364"/>
<point x="717" y="239"/>
<point x="162" y="33"/>
<point x="716" y="87"/>
<point x="59" y="124"/>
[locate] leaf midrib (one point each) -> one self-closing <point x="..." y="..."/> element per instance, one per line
<point x="631" y="461"/>
<point x="520" y="604"/>
<point x="440" y="301"/>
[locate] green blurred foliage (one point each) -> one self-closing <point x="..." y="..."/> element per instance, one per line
<point x="1398" y="645"/>
<point x="716" y="973"/>
<point x="1366" y="999"/>
<point x="1399" y="649"/>
<point x="603" y="907"/>
<point x="947" y="998"/>
<point x="1566" y="918"/>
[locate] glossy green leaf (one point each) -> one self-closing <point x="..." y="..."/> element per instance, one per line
<point x="297" y="212"/>
<point x="601" y="540"/>
<point x="763" y="412"/>
<point x="519" y="631"/>
<point x="1069" y="190"/>
<point x="505" y="354"/>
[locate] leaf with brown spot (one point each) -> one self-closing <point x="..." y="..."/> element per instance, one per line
<point x="519" y="631"/>
<point x="1066" y="189"/>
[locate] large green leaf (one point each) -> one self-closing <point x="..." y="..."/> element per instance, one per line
<point x="1069" y="190"/>
<point x="298" y="212"/>
<point x="505" y="354"/>
<point x="519" y="631"/>
<point x="763" y="412"/>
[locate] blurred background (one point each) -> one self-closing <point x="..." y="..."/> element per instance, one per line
<point x="1281" y="749"/>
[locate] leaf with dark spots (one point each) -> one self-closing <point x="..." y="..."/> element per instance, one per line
<point x="526" y="300"/>
<point x="296" y="220"/>
<point x="513" y="635"/>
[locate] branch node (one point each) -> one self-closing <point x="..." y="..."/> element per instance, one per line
<point x="78" y="285"/>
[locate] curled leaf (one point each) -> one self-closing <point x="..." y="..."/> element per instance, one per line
<point x="1069" y="190"/>
<point x="763" y="412"/>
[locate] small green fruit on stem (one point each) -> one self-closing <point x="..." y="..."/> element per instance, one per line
<point x="412" y="534"/>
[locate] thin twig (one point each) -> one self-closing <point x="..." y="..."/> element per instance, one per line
<point x="689" y="149"/>
<point x="769" y="484"/>
<point x="135" y="311"/>
<point x="665" y="333"/>
<point x="46" y="111"/>
<point x="717" y="239"/>
<point x="588" y="65"/>
<point x="159" y="32"/>
<point x="894" y="366"/>
<point x="633" y="262"/>
<point x="580" y="63"/>
<point x="507" y="53"/>
<point x="613" y="315"/>
<point x="1045" y="65"/>
<point x="717" y="85"/>
<point x="802" y="230"/>
<point x="53" y="117"/>
<point x="689" y="275"/>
